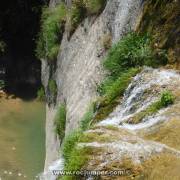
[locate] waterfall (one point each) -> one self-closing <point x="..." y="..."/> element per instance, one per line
<point x="141" y="93"/>
<point x="50" y="174"/>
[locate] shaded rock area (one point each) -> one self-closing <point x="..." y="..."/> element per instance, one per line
<point x="161" y="20"/>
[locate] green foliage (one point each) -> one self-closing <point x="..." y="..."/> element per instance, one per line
<point x="111" y="90"/>
<point x="88" y="117"/>
<point x="94" y="6"/>
<point x="52" y="28"/>
<point x="79" y="157"/>
<point x="132" y="51"/>
<point x="52" y="86"/>
<point x="167" y="98"/>
<point x="41" y="94"/>
<point x="124" y="61"/>
<point x="76" y="14"/>
<point x="82" y="8"/>
<point x="113" y="87"/>
<point x="60" y="121"/>
<point x="69" y="144"/>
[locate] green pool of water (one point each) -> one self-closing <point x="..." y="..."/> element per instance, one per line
<point x="22" y="139"/>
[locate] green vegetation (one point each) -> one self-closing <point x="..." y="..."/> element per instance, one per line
<point x="94" y="6"/>
<point x="52" y="86"/>
<point x="96" y="137"/>
<point x="52" y="28"/>
<point x="166" y="99"/>
<point x="111" y="90"/>
<point x="76" y="14"/>
<point x="53" y="24"/>
<point x="69" y="143"/>
<point x="41" y="94"/>
<point x="132" y="51"/>
<point x="69" y="147"/>
<point x="76" y="156"/>
<point x="161" y="20"/>
<point x="82" y="8"/>
<point x="123" y="62"/>
<point x="60" y="121"/>
<point x="73" y="138"/>
<point x="79" y="157"/>
<point x="88" y="117"/>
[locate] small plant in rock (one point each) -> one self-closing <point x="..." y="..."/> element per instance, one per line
<point x="167" y="98"/>
<point x="60" y="121"/>
<point x="88" y="117"/>
<point x="52" y="86"/>
<point x="41" y="94"/>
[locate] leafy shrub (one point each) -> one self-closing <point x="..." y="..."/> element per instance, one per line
<point x="167" y="98"/>
<point x="94" y="6"/>
<point x="52" y="86"/>
<point x="41" y="94"/>
<point x="132" y="51"/>
<point x="60" y="121"/>
<point x="52" y="28"/>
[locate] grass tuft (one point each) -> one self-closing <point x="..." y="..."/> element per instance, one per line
<point x="60" y="121"/>
<point x="52" y="86"/>
<point x="88" y="117"/>
<point x="167" y="98"/>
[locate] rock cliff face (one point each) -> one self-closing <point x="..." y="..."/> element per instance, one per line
<point x="78" y="69"/>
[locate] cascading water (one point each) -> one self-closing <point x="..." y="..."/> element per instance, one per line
<point x="144" y="89"/>
<point x="50" y="174"/>
<point x="141" y="93"/>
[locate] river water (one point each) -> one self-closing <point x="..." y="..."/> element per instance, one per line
<point x="22" y="139"/>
